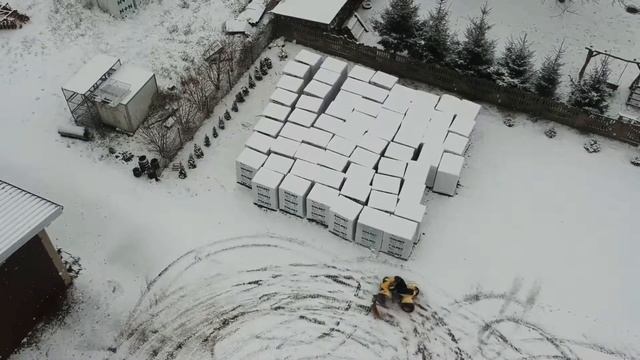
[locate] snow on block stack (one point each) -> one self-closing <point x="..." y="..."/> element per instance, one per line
<point x="285" y="147"/>
<point x="291" y="83"/>
<point x="361" y="73"/>
<point x="276" y="112"/>
<point x="312" y="59"/>
<point x="264" y="186"/>
<point x="260" y="142"/>
<point x="268" y="127"/>
<point x="369" y="231"/>
<point x="399" y="237"/>
<point x="247" y="164"/>
<point x="302" y="117"/>
<point x="298" y="70"/>
<point x="355" y="151"/>
<point x="448" y="174"/>
<point x="343" y="215"/>
<point x="456" y="144"/>
<point x="309" y="103"/>
<point x="279" y="163"/>
<point x="293" y="195"/>
<point x="318" y="203"/>
<point x="384" y="80"/>
<point x="284" y="97"/>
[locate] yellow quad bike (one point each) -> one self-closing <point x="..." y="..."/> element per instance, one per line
<point x="393" y="288"/>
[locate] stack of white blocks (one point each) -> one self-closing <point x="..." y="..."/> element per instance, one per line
<point x="355" y="151"/>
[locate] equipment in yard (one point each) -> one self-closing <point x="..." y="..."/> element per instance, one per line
<point x="394" y="289"/>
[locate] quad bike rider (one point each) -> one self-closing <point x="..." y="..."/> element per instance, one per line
<point x="394" y="288"/>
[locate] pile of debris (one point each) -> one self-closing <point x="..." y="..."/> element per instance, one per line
<point x="10" y="18"/>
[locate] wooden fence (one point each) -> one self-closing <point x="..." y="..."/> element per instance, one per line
<point x="469" y="87"/>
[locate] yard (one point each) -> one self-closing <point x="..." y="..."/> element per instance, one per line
<point x="605" y="25"/>
<point x="534" y="257"/>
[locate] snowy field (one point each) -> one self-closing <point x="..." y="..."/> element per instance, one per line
<point x="534" y="258"/>
<point x="603" y="24"/>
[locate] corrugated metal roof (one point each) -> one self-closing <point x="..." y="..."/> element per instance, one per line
<point x="22" y="215"/>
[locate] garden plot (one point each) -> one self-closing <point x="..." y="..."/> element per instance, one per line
<point x="354" y="148"/>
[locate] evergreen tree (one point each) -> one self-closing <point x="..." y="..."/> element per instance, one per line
<point x="182" y="173"/>
<point x="245" y="91"/>
<point x="197" y="151"/>
<point x="548" y="79"/>
<point x="227" y="115"/>
<point x="234" y="106"/>
<point x="591" y="93"/>
<point x="477" y="52"/>
<point x="207" y="140"/>
<point x="215" y="132"/>
<point x="268" y="63"/>
<point x="435" y="41"/>
<point x="191" y="163"/>
<point x="239" y="97"/>
<point x="220" y="124"/>
<point x="515" y="67"/>
<point x="399" y="26"/>
<point x="252" y="83"/>
<point x="256" y="74"/>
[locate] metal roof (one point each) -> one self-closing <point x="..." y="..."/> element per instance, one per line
<point x="22" y="215"/>
<point x="90" y="73"/>
<point x="320" y="11"/>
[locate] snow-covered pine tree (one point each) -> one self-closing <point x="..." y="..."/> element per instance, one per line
<point x="268" y="63"/>
<point x="245" y="91"/>
<point x="234" y="106"/>
<point x="252" y="83"/>
<point x="477" y="52"/>
<point x="182" y="173"/>
<point x="197" y="151"/>
<point x="435" y="41"/>
<point x="548" y="79"/>
<point x="227" y="115"/>
<point x="220" y="124"/>
<point x="215" y="132"/>
<point x="256" y="74"/>
<point x="207" y="140"/>
<point x="515" y="67"/>
<point x="591" y="92"/>
<point x="191" y="163"/>
<point x="399" y="26"/>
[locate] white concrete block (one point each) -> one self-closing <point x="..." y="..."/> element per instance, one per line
<point x="319" y="201"/>
<point x="264" y="187"/>
<point x="386" y="183"/>
<point x="343" y="215"/>
<point x="293" y="195"/>
<point x="383" y="201"/>
<point x="247" y="164"/>
<point x="268" y="126"/>
<point x="448" y="174"/>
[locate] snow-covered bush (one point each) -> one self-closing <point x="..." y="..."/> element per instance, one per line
<point x="548" y="77"/>
<point x="592" y="146"/>
<point x="398" y="26"/>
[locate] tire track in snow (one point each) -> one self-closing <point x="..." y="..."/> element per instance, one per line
<point x="311" y="307"/>
<point x="272" y="297"/>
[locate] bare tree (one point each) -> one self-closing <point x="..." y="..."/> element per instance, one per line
<point x="196" y="89"/>
<point x="160" y="140"/>
<point x="187" y="118"/>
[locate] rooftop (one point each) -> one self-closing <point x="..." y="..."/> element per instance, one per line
<point x="22" y="216"/>
<point x="322" y="12"/>
<point x="90" y="73"/>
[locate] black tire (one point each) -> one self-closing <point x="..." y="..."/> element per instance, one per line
<point x="407" y="307"/>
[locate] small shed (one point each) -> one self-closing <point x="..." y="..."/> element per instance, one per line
<point x="33" y="279"/>
<point x="121" y="94"/>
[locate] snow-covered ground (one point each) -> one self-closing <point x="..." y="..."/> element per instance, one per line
<point x="536" y="255"/>
<point x="603" y="24"/>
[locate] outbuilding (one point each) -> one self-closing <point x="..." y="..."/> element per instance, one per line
<point x="325" y="14"/>
<point x="33" y="279"/>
